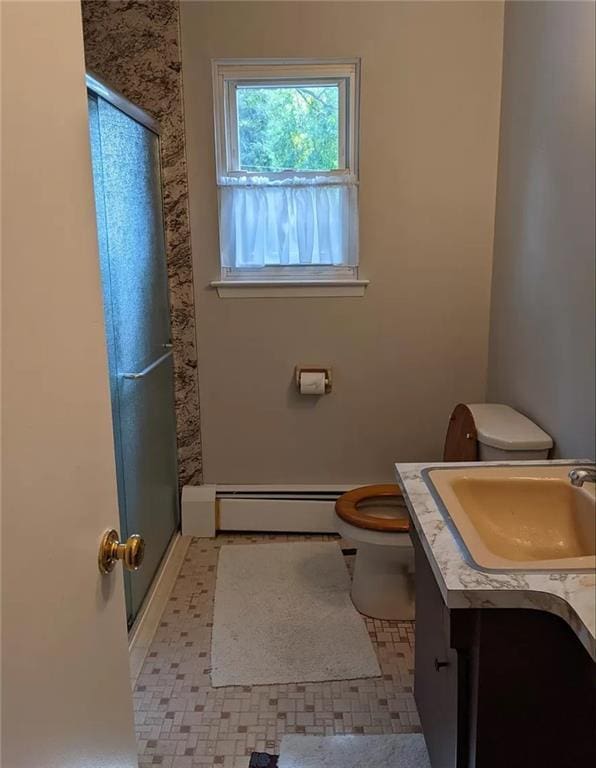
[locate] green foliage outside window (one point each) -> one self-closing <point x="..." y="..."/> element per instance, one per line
<point x="288" y="128"/>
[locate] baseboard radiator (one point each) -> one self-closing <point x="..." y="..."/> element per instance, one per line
<point x="279" y="509"/>
<point x="207" y="509"/>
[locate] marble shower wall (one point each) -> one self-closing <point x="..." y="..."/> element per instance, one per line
<point x="135" y="46"/>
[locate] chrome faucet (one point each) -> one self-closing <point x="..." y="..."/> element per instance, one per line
<point x="580" y="475"/>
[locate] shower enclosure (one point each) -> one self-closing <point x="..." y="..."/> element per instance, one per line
<point x="127" y="185"/>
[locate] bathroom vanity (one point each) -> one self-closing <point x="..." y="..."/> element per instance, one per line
<point x="505" y="672"/>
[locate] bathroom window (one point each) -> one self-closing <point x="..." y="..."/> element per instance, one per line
<point x="286" y="157"/>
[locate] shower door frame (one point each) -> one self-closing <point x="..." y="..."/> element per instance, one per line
<point x="101" y="89"/>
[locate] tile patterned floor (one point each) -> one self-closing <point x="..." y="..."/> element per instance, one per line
<point x="182" y="722"/>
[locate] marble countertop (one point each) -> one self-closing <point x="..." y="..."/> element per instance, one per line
<point x="572" y="596"/>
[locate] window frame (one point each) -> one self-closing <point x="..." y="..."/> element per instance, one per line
<point x="228" y="75"/>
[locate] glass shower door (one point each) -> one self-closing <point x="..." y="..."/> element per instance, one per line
<point x="126" y="173"/>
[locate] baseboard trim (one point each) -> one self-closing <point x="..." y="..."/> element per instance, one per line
<point x="143" y="630"/>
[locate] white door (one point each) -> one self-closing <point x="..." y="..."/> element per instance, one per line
<point x="66" y="698"/>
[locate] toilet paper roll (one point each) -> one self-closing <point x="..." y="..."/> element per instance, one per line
<point x="312" y="383"/>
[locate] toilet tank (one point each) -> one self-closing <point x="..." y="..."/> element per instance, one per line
<point x="504" y="434"/>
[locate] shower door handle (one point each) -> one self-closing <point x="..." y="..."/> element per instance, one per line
<point x="151" y="367"/>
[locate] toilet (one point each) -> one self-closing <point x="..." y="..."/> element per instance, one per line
<point x="375" y="517"/>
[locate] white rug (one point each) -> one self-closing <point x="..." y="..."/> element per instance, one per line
<point x="406" y="750"/>
<point x="283" y="614"/>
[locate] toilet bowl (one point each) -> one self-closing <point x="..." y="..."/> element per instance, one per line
<point x="376" y="519"/>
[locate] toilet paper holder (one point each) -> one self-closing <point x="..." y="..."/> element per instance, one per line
<point x="313" y="369"/>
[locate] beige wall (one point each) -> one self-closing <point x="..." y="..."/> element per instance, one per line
<point x="416" y="343"/>
<point x="542" y="328"/>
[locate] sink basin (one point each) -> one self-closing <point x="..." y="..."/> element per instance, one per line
<point x="519" y="518"/>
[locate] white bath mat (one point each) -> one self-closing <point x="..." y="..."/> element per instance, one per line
<point x="283" y="614"/>
<point x="405" y="750"/>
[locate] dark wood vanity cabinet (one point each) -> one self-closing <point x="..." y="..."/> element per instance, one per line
<point x="436" y="670"/>
<point x="500" y="688"/>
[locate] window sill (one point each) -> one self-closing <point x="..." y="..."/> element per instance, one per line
<point x="252" y="289"/>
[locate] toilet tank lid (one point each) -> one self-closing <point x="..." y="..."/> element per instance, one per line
<point x="500" y="426"/>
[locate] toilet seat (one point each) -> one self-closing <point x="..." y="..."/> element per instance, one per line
<point x="347" y="509"/>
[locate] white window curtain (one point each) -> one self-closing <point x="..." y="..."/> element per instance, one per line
<point x="299" y="221"/>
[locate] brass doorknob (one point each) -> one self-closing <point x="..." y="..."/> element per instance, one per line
<point x="131" y="552"/>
